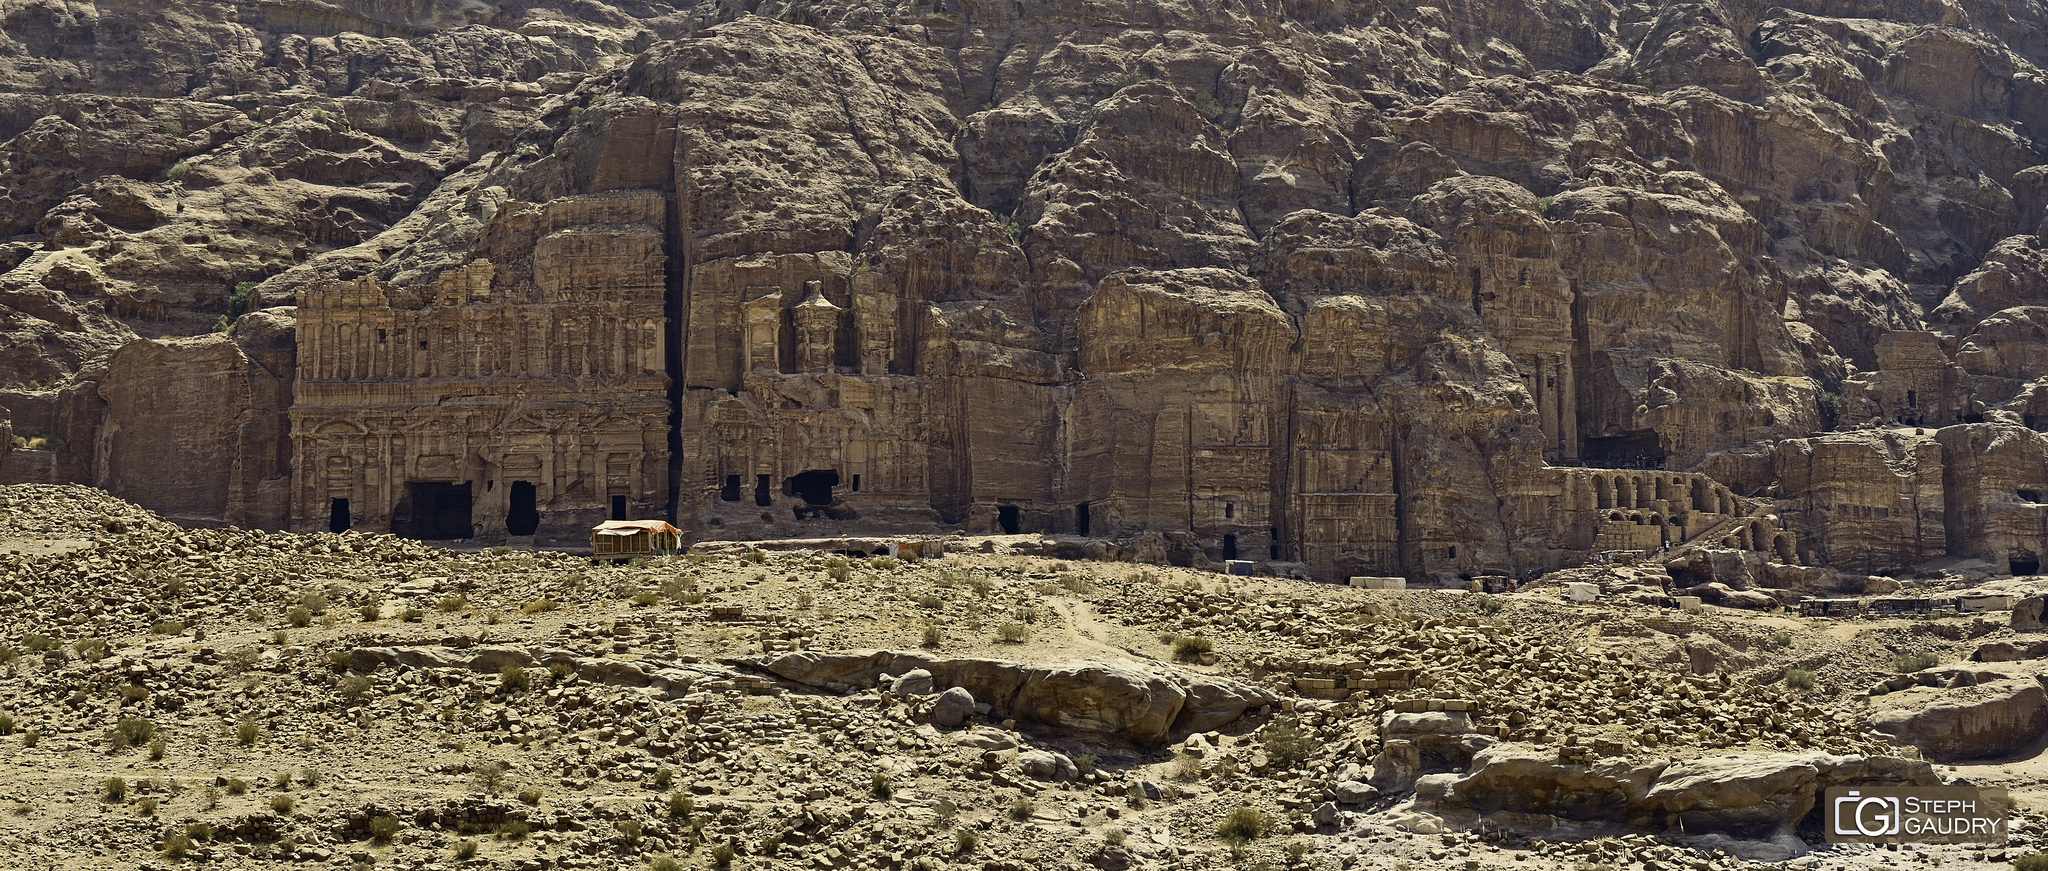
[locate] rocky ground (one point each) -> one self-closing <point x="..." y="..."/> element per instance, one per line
<point x="262" y="700"/>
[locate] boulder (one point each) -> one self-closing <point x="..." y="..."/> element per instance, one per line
<point x="1747" y="798"/>
<point x="1353" y="792"/>
<point x="1990" y="719"/>
<point x="1141" y="704"/>
<point x="1046" y="765"/>
<point x="1743" y="796"/>
<point x="918" y="682"/>
<point x="2026" y="614"/>
<point x="1523" y="779"/>
<point x="952" y="707"/>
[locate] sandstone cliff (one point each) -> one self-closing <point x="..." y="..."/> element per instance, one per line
<point x="1345" y="290"/>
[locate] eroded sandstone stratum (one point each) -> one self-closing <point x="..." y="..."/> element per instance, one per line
<point x="1356" y="289"/>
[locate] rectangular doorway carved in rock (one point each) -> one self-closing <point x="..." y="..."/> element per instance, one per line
<point x="439" y="510"/>
<point x="618" y="507"/>
<point x="337" y="516"/>
<point x="1081" y="518"/>
<point x="524" y="517"/>
<point x="1006" y="517"/>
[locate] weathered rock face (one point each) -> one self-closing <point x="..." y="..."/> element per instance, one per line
<point x="1321" y="287"/>
<point x="1142" y="706"/>
<point x="1752" y="797"/>
<point x="1974" y="720"/>
<point x="195" y="428"/>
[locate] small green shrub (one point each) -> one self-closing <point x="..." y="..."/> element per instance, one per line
<point x="1086" y="763"/>
<point x="156" y="750"/>
<point x="932" y="637"/>
<point x="91" y="649"/>
<point x="1800" y="679"/>
<point x="881" y="786"/>
<point x="246" y="733"/>
<point x="646" y="597"/>
<point x="1241" y="824"/>
<point x="514" y="830"/>
<point x="1022" y="809"/>
<point x="539" y="606"/>
<point x="530" y="795"/>
<point x="199" y="831"/>
<point x="6" y="724"/>
<point x="237" y="786"/>
<point x="1781" y="638"/>
<point x="465" y="850"/>
<point x="178" y="170"/>
<point x="964" y="841"/>
<point x="131" y="731"/>
<point x="114" y="788"/>
<point x="176" y="847"/>
<point x="721" y="855"/>
<point x="1113" y="836"/>
<point x="371" y="613"/>
<point x="1012" y="633"/>
<point x="383" y="829"/>
<point x="1908" y="663"/>
<point x="680" y="805"/>
<point x="512" y="678"/>
<point x="2031" y="862"/>
<point x="282" y="804"/>
<point x="1189" y="649"/>
<point x="146" y="807"/>
<point x="629" y="832"/>
<point x="133" y="693"/>
<point x="298" y="616"/>
<point x="167" y="627"/>
<point x="31" y="738"/>
<point x="1285" y="743"/>
<point x="451" y="604"/>
<point x="664" y="863"/>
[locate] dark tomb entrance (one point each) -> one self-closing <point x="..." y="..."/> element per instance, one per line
<point x="618" y="507"/>
<point x="439" y="511"/>
<point x="524" y="517"/>
<point x="337" y="516"/>
<point x="1230" y="547"/>
<point x="814" y="487"/>
<point x="2024" y="562"/>
<point x="1629" y="450"/>
<point x="1006" y="517"/>
<point x="1081" y="518"/>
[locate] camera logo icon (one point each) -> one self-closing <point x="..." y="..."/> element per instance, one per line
<point x="1868" y="816"/>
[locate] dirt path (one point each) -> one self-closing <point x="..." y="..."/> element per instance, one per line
<point x="1090" y="635"/>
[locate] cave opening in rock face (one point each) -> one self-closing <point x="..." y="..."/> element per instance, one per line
<point x="814" y="486"/>
<point x="1081" y="519"/>
<point x="1230" y="547"/>
<point x="337" y="516"/>
<point x="618" y="507"/>
<point x="524" y="516"/>
<point x="1630" y="450"/>
<point x="439" y="510"/>
<point x="731" y="491"/>
<point x="761" y="495"/>
<point x="1006" y="517"/>
<point x="2024" y="562"/>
